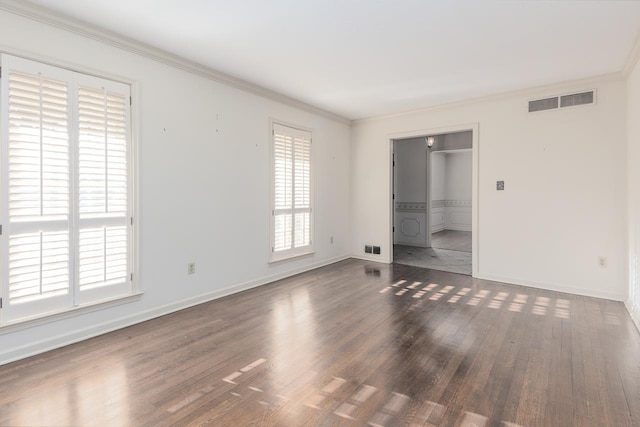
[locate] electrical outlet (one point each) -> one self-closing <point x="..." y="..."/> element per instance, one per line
<point x="368" y="249"/>
<point x="191" y="268"/>
<point x="376" y="250"/>
<point x="602" y="261"/>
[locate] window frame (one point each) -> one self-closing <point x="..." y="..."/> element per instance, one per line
<point x="293" y="252"/>
<point x="78" y="302"/>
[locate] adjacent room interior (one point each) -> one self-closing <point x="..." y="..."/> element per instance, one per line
<point x="201" y="222"/>
<point x="433" y="174"/>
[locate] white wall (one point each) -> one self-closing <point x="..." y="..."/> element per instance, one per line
<point x="438" y="189"/>
<point x="451" y="189"/>
<point x="438" y="176"/>
<point x="633" y="188"/>
<point x="203" y="184"/>
<point x="458" y="191"/>
<point x="564" y="173"/>
<point x="458" y="176"/>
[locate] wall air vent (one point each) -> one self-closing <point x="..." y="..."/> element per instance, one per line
<point x="543" y="104"/>
<point x="563" y="101"/>
<point x="576" y="99"/>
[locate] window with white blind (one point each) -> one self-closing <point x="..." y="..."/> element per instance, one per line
<point x="65" y="189"/>
<point x="291" y="193"/>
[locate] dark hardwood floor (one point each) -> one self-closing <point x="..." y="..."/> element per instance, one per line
<point x="354" y="343"/>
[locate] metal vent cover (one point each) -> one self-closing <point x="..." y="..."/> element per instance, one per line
<point x="576" y="99"/>
<point x="543" y="104"/>
<point x="563" y="101"/>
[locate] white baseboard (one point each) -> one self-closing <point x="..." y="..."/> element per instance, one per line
<point x="374" y="258"/>
<point x="51" y="343"/>
<point x="451" y="227"/>
<point x="459" y="227"/>
<point x="551" y="287"/>
<point x="415" y="245"/>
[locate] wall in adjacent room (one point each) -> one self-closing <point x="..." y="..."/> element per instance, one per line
<point x="458" y="177"/>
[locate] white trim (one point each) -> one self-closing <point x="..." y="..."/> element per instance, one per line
<point x="534" y="91"/>
<point x="429" y="177"/>
<point x="373" y="258"/>
<point x="101" y="35"/>
<point x="475" y="178"/>
<point x="44" y="319"/>
<point x="4" y="176"/>
<point x="52" y="343"/>
<point x="65" y="65"/>
<point x="634" y="313"/>
<point x="439" y="228"/>
<point x="134" y="186"/>
<point x="551" y="287"/>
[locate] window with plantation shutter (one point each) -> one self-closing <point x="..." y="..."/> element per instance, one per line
<point x="291" y="202"/>
<point x="65" y="205"/>
<point x="103" y="213"/>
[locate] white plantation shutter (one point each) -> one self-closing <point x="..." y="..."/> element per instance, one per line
<point x="283" y="190"/>
<point x="302" y="189"/>
<point x="36" y="116"/>
<point x="64" y="181"/>
<point x="103" y="241"/>
<point x="291" y="213"/>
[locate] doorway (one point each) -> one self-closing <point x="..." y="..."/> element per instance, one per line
<point x="433" y="201"/>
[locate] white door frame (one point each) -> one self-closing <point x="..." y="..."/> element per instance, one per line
<point x="475" y="231"/>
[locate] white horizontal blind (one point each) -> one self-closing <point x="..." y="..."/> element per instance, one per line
<point x="291" y="224"/>
<point x="65" y="188"/>
<point x="36" y="117"/>
<point x="103" y="240"/>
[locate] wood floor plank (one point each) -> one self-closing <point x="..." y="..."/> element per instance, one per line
<point x="353" y="343"/>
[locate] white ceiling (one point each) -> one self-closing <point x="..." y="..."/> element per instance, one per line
<point x="362" y="58"/>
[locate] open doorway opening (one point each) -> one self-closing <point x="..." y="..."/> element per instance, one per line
<point x="432" y="201"/>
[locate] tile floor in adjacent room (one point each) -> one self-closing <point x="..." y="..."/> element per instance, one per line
<point x="450" y="251"/>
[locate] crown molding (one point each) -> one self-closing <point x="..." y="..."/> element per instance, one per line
<point x="534" y="91"/>
<point x="633" y="58"/>
<point x="67" y="23"/>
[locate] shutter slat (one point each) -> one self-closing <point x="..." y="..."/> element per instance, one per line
<point x="103" y="152"/>
<point x="38" y="265"/>
<point x="103" y="256"/>
<point x="39" y="143"/>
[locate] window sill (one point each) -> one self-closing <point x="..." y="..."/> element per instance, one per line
<point x="55" y="316"/>
<point x="291" y="257"/>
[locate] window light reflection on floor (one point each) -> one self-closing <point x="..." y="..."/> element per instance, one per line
<point x="540" y="306"/>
